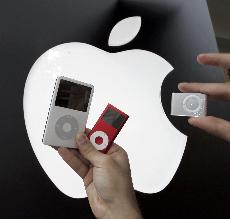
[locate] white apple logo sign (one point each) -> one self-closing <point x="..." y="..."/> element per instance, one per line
<point x="130" y="80"/>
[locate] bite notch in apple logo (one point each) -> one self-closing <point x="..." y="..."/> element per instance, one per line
<point x="129" y="79"/>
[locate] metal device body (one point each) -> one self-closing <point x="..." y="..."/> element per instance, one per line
<point x="68" y="112"/>
<point x="189" y="104"/>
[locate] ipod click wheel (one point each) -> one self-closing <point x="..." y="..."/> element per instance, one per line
<point x="68" y="112"/>
<point x="189" y="104"/>
<point x="107" y="128"/>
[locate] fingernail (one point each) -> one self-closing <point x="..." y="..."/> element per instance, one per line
<point x="199" y="58"/>
<point x="181" y="85"/>
<point x="201" y="55"/>
<point x="191" y="120"/>
<point x="81" y="138"/>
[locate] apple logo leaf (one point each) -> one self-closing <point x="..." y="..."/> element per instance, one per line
<point x="125" y="31"/>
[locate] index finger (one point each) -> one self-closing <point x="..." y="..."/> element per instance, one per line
<point x="215" y="59"/>
<point x="213" y="125"/>
<point x="74" y="161"/>
<point x="215" y="90"/>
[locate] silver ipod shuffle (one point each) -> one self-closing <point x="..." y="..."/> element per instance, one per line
<point x="68" y="112"/>
<point x="189" y="104"/>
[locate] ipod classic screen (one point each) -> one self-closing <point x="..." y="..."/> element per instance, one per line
<point x="73" y="96"/>
<point x="113" y="118"/>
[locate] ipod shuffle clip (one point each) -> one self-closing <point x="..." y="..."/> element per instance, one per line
<point x="107" y="128"/>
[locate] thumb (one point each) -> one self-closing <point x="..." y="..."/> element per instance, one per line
<point x="88" y="151"/>
<point x="212" y="125"/>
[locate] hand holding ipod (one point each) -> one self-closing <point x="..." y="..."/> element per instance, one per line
<point x="221" y="91"/>
<point x="107" y="179"/>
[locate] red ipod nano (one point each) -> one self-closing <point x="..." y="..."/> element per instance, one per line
<point x="107" y="128"/>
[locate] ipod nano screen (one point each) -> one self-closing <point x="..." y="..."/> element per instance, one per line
<point x="73" y="96"/>
<point x="113" y="118"/>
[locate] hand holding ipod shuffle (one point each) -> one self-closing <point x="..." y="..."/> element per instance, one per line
<point x="107" y="128"/>
<point x="68" y="112"/>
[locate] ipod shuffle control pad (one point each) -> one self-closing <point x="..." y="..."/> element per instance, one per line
<point x="107" y="128"/>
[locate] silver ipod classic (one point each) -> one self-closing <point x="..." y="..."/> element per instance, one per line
<point x="189" y="104"/>
<point x="68" y="112"/>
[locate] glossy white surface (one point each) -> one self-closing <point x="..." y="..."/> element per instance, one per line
<point x="130" y="80"/>
<point x="125" y="31"/>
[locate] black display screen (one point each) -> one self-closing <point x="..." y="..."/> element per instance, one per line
<point x="73" y="96"/>
<point x="113" y="118"/>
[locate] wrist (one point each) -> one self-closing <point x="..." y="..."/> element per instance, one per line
<point x="123" y="210"/>
<point x="124" y="213"/>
